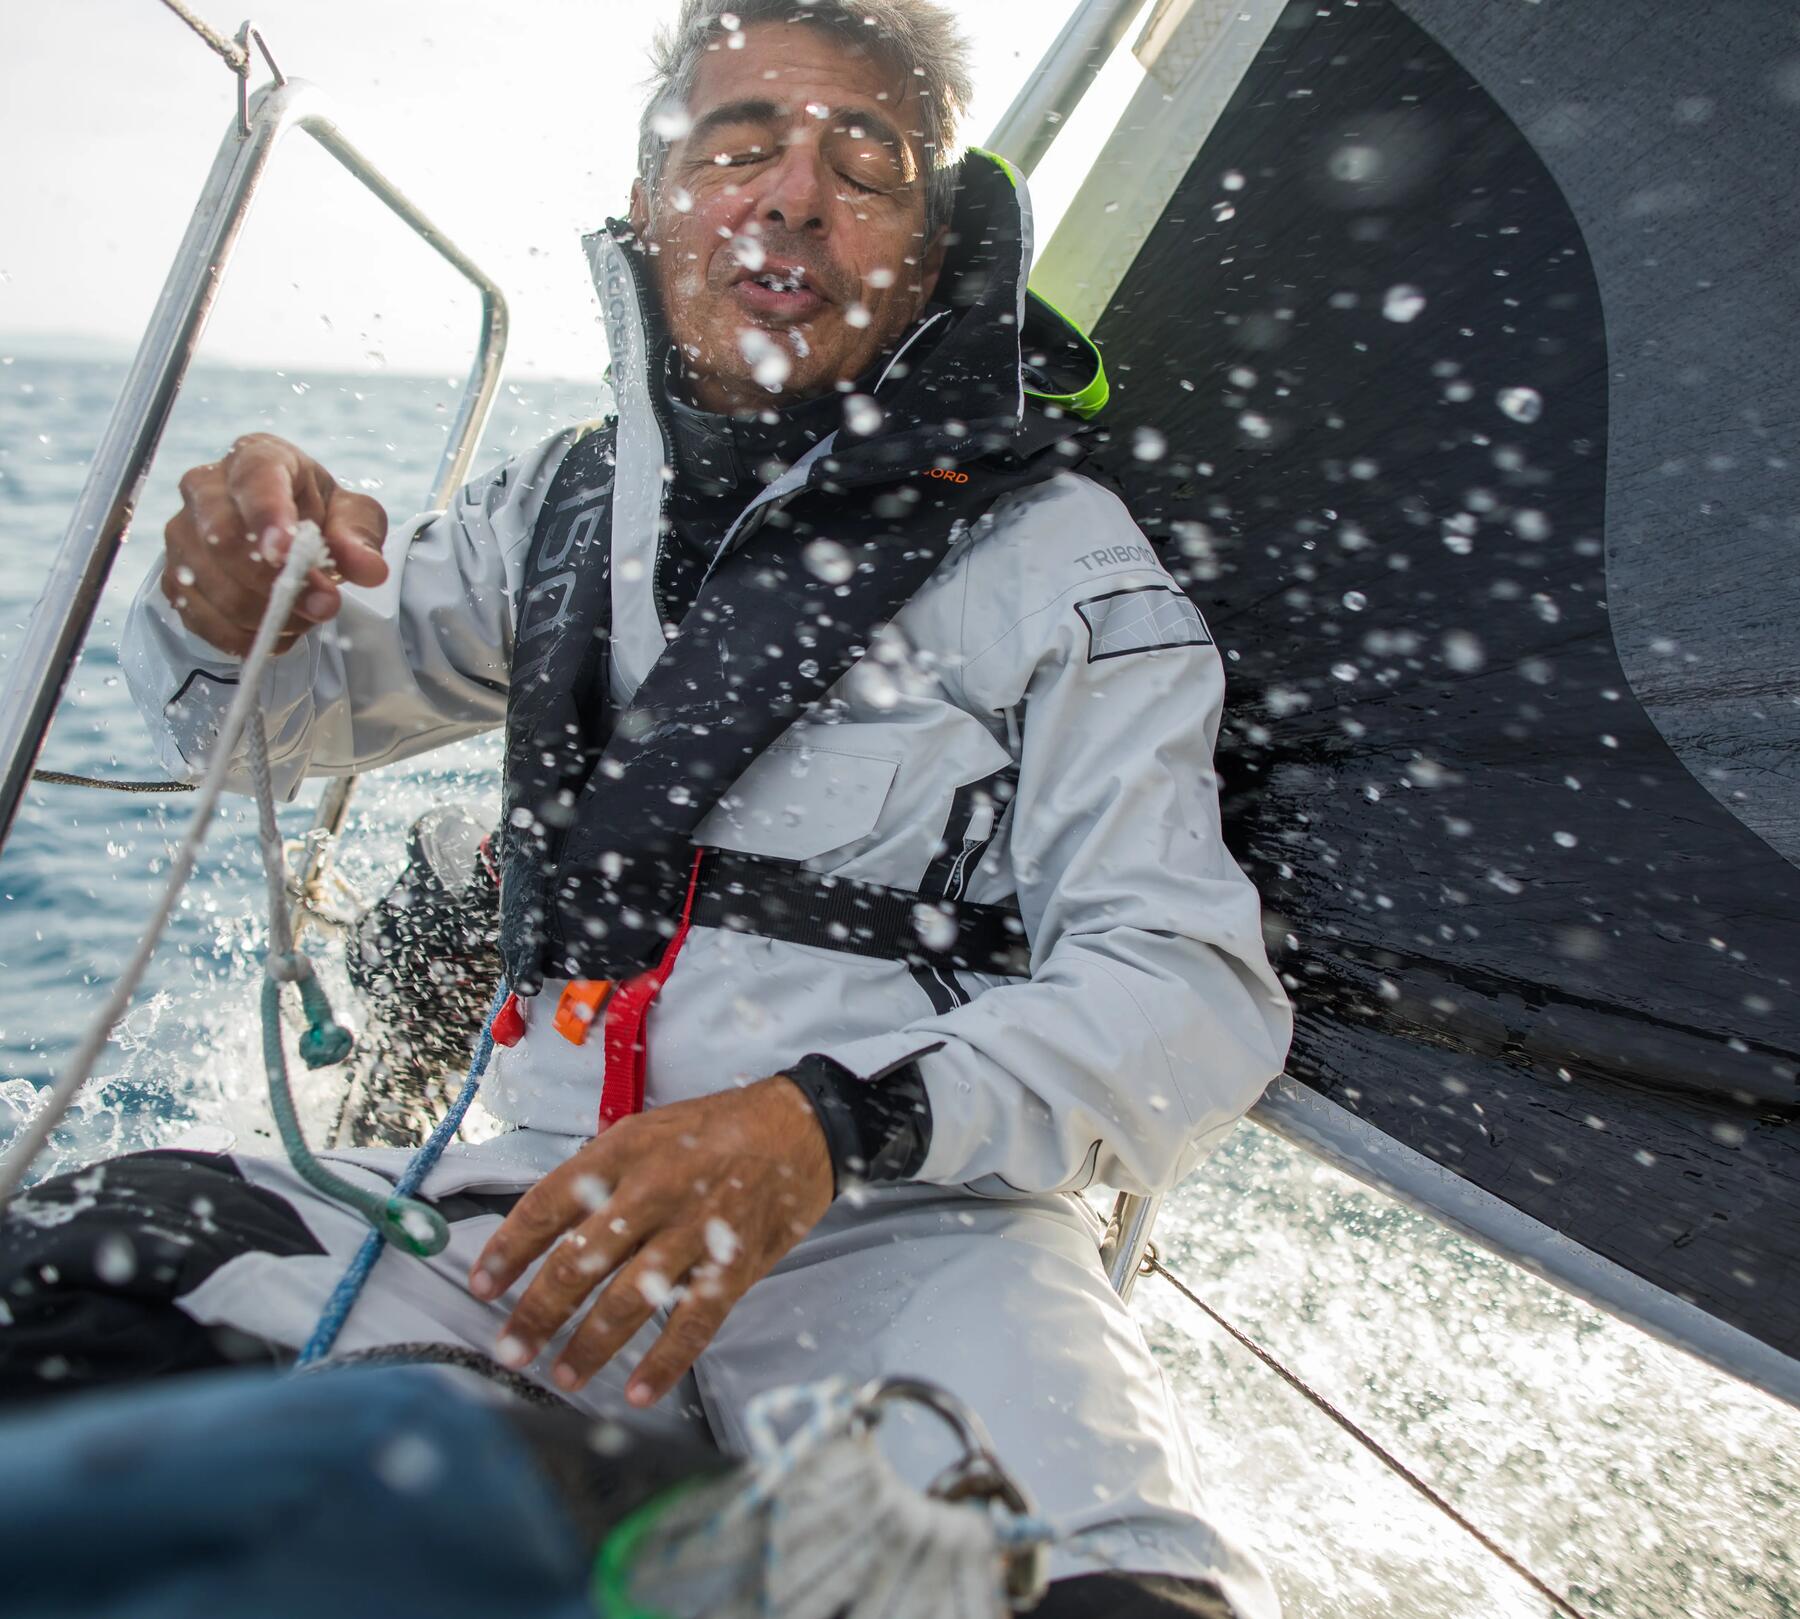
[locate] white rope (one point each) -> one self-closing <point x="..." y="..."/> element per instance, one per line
<point x="274" y="852"/>
<point x="307" y="552"/>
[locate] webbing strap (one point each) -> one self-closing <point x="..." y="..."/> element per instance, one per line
<point x="776" y="899"/>
<point x="622" y="1028"/>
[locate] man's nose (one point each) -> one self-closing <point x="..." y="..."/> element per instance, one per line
<point x="797" y="192"/>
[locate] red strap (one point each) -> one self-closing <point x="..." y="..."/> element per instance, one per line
<point x="622" y="1092"/>
<point x="508" y="1027"/>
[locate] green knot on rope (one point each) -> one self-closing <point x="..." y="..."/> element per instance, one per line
<point x="408" y="1223"/>
<point x="326" y="1041"/>
<point x="415" y="1226"/>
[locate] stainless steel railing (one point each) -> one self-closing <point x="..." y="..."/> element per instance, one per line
<point x="1059" y="81"/>
<point x="59" y="622"/>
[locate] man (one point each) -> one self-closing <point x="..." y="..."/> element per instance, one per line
<point x="823" y="601"/>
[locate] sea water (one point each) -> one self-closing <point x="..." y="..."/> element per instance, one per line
<point x="1633" y="1478"/>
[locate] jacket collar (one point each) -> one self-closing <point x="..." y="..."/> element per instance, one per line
<point x="988" y="351"/>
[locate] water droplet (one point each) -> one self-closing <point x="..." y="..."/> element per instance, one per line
<point x="827" y="560"/>
<point x="409" y="1463"/>
<point x="862" y="415"/>
<point x="936" y="931"/>
<point x="1355" y="163"/>
<point x="769" y="362"/>
<point x="115" y="1260"/>
<point x="721" y="1241"/>
<point x="1464" y="652"/>
<point x="1147" y="444"/>
<point x="1522" y="404"/>
<point x="1403" y="303"/>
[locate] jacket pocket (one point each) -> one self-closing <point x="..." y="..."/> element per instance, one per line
<point x="799" y="801"/>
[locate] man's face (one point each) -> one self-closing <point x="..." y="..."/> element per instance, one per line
<point x="787" y="232"/>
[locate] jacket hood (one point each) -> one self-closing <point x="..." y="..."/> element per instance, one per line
<point x="996" y="351"/>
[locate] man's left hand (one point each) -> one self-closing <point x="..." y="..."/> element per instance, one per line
<point x="690" y="1204"/>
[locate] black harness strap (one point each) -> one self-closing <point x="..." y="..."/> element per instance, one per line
<point x="776" y="899"/>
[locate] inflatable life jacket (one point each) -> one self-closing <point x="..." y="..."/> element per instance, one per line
<point x="602" y="797"/>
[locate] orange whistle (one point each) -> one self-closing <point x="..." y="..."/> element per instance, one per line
<point x="579" y="1005"/>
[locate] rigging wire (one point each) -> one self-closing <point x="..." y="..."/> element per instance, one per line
<point x="233" y="55"/>
<point x="64" y="778"/>
<point x="1153" y="1264"/>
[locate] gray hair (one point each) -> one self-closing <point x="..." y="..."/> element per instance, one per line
<point x="920" y="37"/>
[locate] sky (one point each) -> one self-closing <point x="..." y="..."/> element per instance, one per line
<point x="513" y="136"/>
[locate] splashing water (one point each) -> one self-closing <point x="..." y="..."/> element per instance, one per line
<point x="1522" y="404"/>
<point x="1403" y="304"/>
<point x="1628" y="1474"/>
<point x="769" y="362"/>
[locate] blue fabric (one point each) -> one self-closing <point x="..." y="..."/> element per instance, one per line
<point x="361" y="1491"/>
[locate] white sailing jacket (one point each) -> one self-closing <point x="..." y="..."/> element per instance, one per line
<point x="1035" y="725"/>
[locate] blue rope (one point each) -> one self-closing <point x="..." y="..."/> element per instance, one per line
<point x="350" y="1285"/>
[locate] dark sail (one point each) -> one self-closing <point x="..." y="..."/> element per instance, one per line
<point x="1459" y="380"/>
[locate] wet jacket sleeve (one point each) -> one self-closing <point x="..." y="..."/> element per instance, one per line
<point x="1151" y="1020"/>
<point x="414" y="663"/>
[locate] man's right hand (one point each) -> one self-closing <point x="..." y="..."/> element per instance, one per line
<point x="224" y="548"/>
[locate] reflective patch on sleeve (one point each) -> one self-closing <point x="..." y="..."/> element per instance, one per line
<point x="1151" y="618"/>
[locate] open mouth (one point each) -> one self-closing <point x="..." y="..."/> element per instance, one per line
<point x="779" y="292"/>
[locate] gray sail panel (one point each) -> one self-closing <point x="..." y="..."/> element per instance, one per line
<point x="1671" y="130"/>
<point x="1525" y="942"/>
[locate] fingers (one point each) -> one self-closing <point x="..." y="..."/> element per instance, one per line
<point x="355" y="526"/>
<point x="231" y="629"/>
<point x="563" y="1198"/>
<point x="692" y="1325"/>
<point x="642" y="1287"/>
<point x="576" y="1266"/>
<point x="237" y="521"/>
<point x="265" y="483"/>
